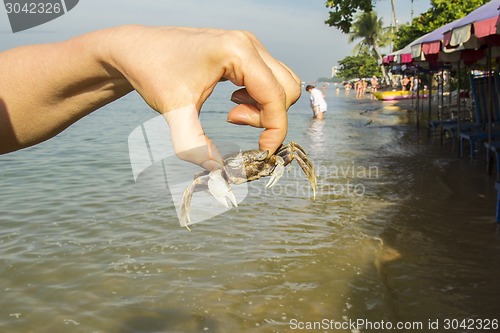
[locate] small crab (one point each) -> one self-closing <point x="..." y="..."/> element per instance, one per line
<point x="245" y="167"/>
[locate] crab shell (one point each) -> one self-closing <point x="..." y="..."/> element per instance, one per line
<point x="247" y="166"/>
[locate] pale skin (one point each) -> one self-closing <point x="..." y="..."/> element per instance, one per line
<point x="317" y="112"/>
<point x="46" y="88"/>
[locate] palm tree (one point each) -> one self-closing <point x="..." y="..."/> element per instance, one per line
<point x="394" y="20"/>
<point x="368" y="27"/>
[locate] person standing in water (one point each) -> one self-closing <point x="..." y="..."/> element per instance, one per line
<point x="374" y="83"/>
<point x="317" y="102"/>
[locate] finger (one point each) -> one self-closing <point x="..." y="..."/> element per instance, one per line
<point x="274" y="134"/>
<point x="242" y="96"/>
<point x="272" y="138"/>
<point x="297" y="80"/>
<point x="295" y="77"/>
<point x="270" y="99"/>
<point x="245" y="114"/>
<point x="290" y="82"/>
<point x="267" y="85"/>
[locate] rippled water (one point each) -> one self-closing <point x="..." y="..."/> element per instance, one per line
<point x="400" y="230"/>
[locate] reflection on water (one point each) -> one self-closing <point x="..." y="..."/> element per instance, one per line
<point x="85" y="249"/>
<point x="316" y="135"/>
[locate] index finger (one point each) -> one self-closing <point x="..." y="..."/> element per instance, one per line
<point x="270" y="100"/>
<point x="290" y="82"/>
<point x="270" y="84"/>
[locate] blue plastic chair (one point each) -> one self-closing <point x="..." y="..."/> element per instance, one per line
<point x="479" y="132"/>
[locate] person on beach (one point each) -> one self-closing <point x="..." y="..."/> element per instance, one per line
<point x="374" y="84"/>
<point x="45" y="88"/>
<point x="365" y="86"/>
<point x="359" y="88"/>
<point x="347" y="88"/>
<point x="404" y="83"/>
<point x="317" y="102"/>
<point x="416" y="82"/>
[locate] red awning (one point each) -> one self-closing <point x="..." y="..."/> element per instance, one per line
<point x="431" y="48"/>
<point x="406" y="58"/>
<point x="486" y="27"/>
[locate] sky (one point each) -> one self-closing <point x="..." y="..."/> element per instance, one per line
<point x="292" y="30"/>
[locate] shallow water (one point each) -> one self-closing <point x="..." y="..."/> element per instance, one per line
<point x="400" y="231"/>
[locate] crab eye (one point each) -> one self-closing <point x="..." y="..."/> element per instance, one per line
<point x="262" y="155"/>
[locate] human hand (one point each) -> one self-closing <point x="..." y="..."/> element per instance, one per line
<point x="176" y="69"/>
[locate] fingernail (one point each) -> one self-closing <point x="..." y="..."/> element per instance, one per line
<point x="236" y="100"/>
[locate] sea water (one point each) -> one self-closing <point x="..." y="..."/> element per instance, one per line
<point x="401" y="232"/>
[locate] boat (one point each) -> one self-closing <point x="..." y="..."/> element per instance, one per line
<point x="398" y="95"/>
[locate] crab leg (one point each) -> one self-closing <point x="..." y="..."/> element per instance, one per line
<point x="308" y="169"/>
<point x="295" y="151"/>
<point x="215" y="184"/>
<point x="199" y="184"/>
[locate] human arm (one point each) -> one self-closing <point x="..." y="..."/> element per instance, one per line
<point x="45" y="88"/>
<point x="48" y="87"/>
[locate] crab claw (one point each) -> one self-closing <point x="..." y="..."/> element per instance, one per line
<point x="220" y="188"/>
<point x="278" y="171"/>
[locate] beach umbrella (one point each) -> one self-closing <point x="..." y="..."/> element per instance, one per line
<point x="429" y="47"/>
<point x="465" y="40"/>
<point x="479" y="27"/>
<point x="402" y="56"/>
<point x="462" y="39"/>
<point x="387" y="59"/>
<point x="476" y="35"/>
